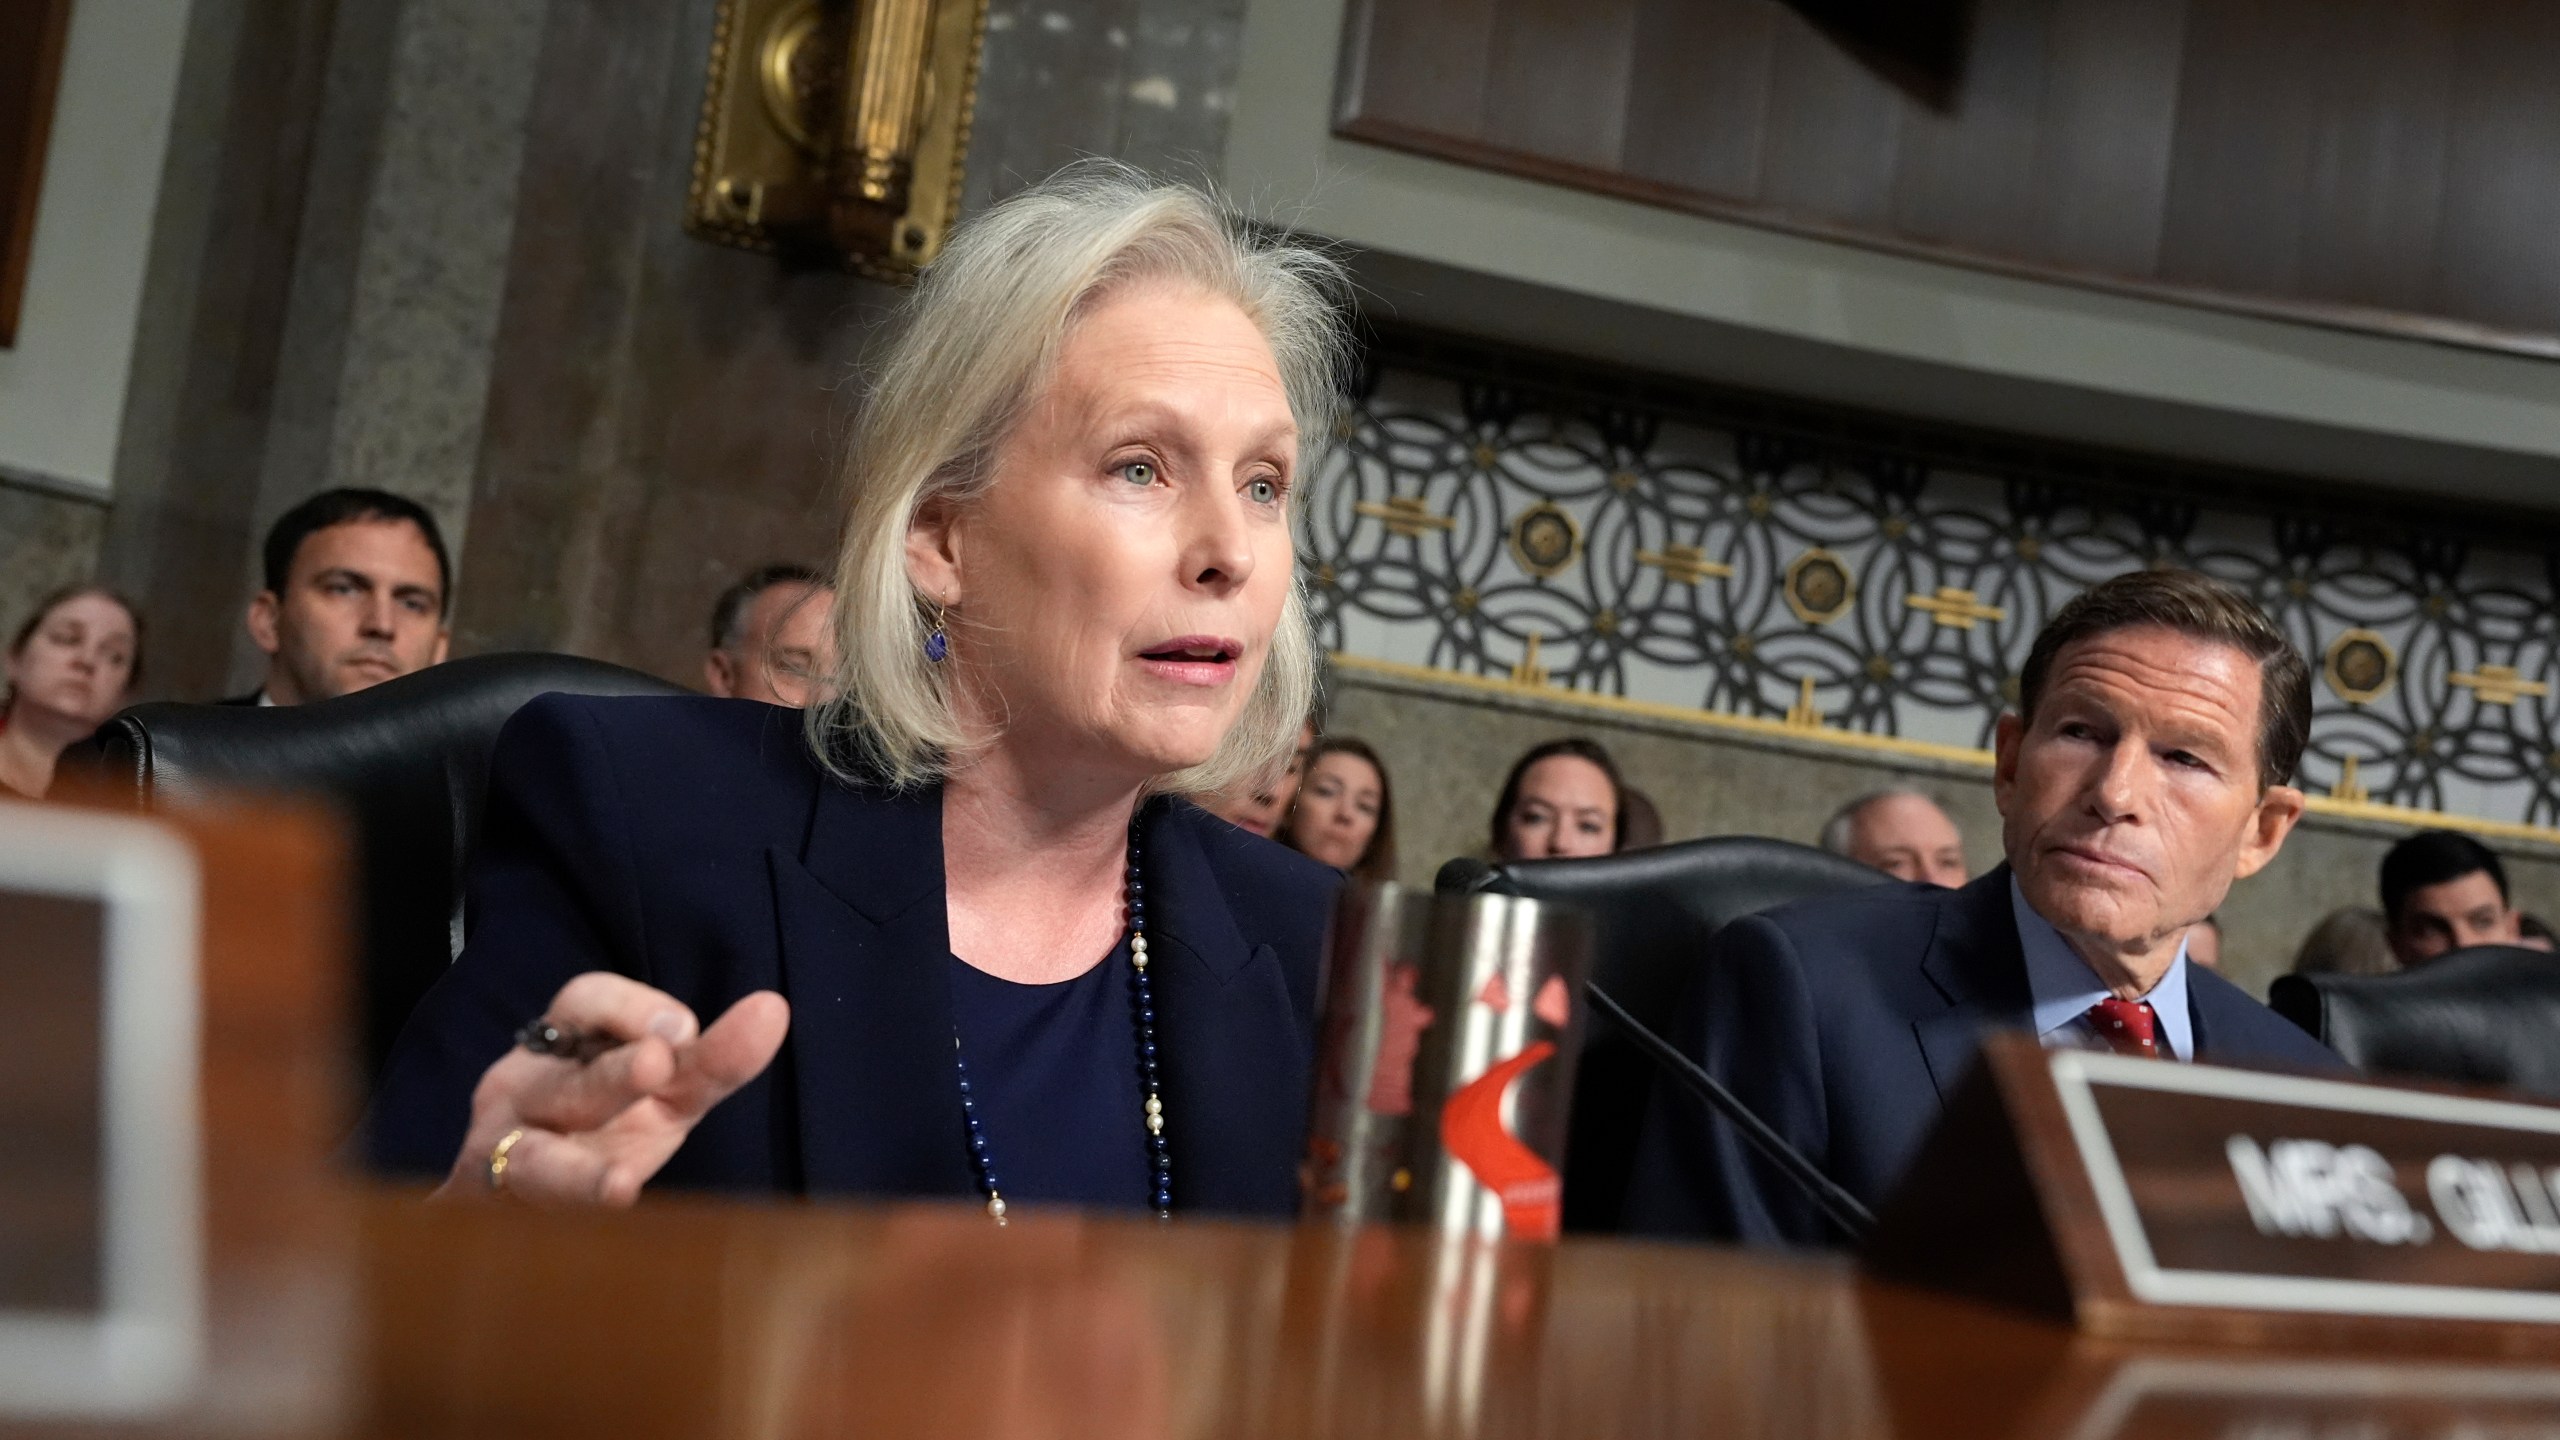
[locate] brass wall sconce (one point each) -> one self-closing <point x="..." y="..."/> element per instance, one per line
<point x="837" y="128"/>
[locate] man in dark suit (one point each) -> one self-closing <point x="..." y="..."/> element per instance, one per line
<point x="357" y="587"/>
<point x="2160" y="717"/>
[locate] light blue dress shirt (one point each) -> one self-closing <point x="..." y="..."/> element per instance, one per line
<point x="2064" y="988"/>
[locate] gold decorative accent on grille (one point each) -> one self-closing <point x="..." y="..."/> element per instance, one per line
<point x="1818" y="587"/>
<point x="2349" y="788"/>
<point x="1545" y="540"/>
<point x="1406" y="515"/>
<point x="1804" y="714"/>
<point x="2360" y="666"/>
<point x="1955" y="609"/>
<point x="2498" y="685"/>
<point x="1684" y="564"/>
<point x="1529" y="672"/>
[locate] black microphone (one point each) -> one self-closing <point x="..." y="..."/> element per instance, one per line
<point x="1467" y="875"/>
<point x="1844" y="1209"/>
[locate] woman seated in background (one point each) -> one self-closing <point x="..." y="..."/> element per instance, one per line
<point x="1259" y="805"/>
<point x="1346" y="812"/>
<point x="70" y="667"/>
<point x="1012" y="960"/>
<point x="1562" y="799"/>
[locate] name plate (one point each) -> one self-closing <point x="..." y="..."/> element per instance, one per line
<point x="2157" y="1199"/>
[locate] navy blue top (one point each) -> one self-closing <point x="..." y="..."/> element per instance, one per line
<point x="693" y="845"/>
<point x="1054" y="1072"/>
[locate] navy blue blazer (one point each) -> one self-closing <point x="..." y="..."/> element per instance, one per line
<point x="694" y="845"/>
<point x="1845" y="1022"/>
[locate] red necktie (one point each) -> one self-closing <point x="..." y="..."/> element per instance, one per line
<point x="2130" y="1027"/>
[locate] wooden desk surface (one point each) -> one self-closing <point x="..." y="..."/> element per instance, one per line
<point x="338" y="1312"/>
<point x="695" y="1318"/>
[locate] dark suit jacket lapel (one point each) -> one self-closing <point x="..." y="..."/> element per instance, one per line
<point x="865" y="935"/>
<point x="1236" y="1053"/>
<point x="1980" y="970"/>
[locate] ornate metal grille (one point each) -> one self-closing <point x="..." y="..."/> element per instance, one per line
<point x="1502" y="531"/>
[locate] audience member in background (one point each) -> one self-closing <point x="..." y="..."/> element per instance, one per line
<point x="769" y="637"/>
<point x="1562" y="799"/>
<point x="1642" y="828"/>
<point x="70" y="667"/>
<point x="356" y="586"/>
<point x="2443" y="892"/>
<point x="2204" y="942"/>
<point x="1346" y="812"/>
<point x="1263" y="804"/>
<point x="2535" y="933"/>
<point x="2352" y="941"/>
<point x="1901" y="832"/>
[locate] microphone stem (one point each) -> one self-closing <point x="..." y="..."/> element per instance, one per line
<point x="1842" y="1208"/>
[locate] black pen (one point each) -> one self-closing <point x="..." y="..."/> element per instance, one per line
<point x="544" y="1038"/>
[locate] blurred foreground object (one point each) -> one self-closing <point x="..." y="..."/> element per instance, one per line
<point x="175" y="1076"/>
<point x="1446" y="1044"/>
<point x="1653" y="912"/>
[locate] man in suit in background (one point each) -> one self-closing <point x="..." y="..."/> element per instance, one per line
<point x="2443" y="892"/>
<point x="1902" y="832"/>
<point x="357" y="583"/>
<point x="2160" y="717"/>
<point x="769" y="637"/>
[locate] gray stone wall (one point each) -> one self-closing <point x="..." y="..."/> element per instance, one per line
<point x="1447" y="748"/>
<point x="46" y="540"/>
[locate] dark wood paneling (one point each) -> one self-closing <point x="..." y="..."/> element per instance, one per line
<point x="2393" y="163"/>
<point x="1827" y="149"/>
<point x="31" y="36"/>
<point x="2110" y="111"/>
<point x="1557" y="76"/>
<point x="2501" y="237"/>
<point x="1443" y="55"/>
<point x="1698" y="96"/>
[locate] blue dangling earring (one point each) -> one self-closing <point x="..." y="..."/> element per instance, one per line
<point x="936" y="645"/>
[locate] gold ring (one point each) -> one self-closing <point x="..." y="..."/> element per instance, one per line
<point x="498" y="1158"/>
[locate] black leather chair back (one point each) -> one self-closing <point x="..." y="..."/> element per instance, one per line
<point x="406" y="762"/>
<point x="2484" y="1016"/>
<point x="1653" y="911"/>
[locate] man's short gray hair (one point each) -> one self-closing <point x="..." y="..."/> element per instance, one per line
<point x="968" y="352"/>
<point x="1843" y="823"/>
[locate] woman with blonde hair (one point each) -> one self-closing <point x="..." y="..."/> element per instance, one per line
<point x="1013" y="960"/>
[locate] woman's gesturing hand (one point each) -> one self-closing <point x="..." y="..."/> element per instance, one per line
<point x="593" y="1131"/>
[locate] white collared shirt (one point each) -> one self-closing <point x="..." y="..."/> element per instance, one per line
<point x="2063" y="988"/>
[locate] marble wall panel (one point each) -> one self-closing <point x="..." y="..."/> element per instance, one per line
<point x="663" y="414"/>
<point x="45" y="541"/>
